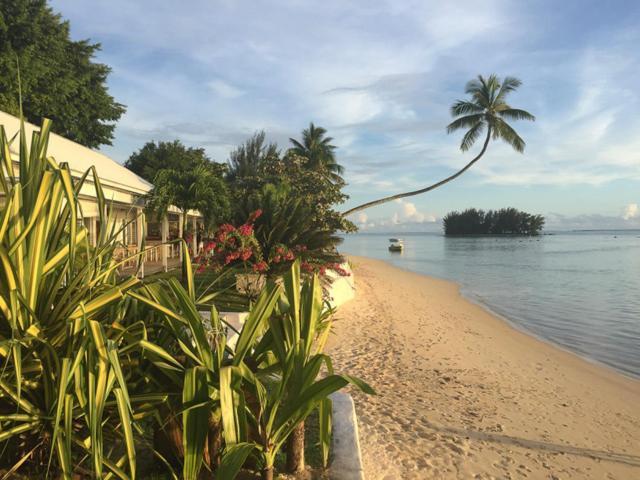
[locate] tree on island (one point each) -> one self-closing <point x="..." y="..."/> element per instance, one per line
<point x="506" y="221"/>
<point x="487" y="109"/>
<point x="57" y="76"/>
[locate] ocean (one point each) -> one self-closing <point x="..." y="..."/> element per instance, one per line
<point x="579" y="290"/>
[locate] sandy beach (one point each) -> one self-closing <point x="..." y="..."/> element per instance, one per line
<point x="462" y="394"/>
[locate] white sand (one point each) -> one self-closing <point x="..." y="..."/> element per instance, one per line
<point x="461" y="394"/>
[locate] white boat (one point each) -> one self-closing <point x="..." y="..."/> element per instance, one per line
<point x="395" y="240"/>
<point x="396" y="246"/>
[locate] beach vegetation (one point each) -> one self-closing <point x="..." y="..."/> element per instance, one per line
<point x="485" y="114"/>
<point x="297" y="192"/>
<point x="183" y="177"/>
<point x="109" y="376"/>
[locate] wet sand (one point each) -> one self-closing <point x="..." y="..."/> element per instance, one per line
<point x="462" y="394"/>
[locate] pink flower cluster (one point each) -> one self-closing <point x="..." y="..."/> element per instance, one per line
<point x="232" y="245"/>
<point x="281" y="253"/>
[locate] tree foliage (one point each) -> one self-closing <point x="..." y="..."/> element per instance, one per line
<point x="183" y="177"/>
<point x="297" y="191"/>
<point x="493" y="222"/>
<point x="59" y="79"/>
<point x="319" y="153"/>
<point x="156" y="156"/>
<point x="488" y="109"/>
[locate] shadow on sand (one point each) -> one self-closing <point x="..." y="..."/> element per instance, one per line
<point x="632" y="460"/>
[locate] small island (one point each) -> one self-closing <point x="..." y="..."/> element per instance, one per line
<point x="506" y="221"/>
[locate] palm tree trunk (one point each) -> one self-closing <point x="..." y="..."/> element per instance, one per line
<point x="267" y="473"/>
<point x="426" y="189"/>
<point x="295" y="450"/>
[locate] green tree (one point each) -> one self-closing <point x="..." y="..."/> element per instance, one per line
<point x="247" y="160"/>
<point x="182" y="177"/>
<point x="156" y="156"/>
<point x="58" y="77"/>
<point x="316" y="147"/>
<point x="487" y="110"/>
<point x="255" y="163"/>
<point x="509" y="221"/>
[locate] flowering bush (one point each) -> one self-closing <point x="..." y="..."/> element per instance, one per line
<point x="232" y="246"/>
<point x="281" y="254"/>
<point x="235" y="246"/>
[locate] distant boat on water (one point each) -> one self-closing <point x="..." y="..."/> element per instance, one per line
<point x="396" y="245"/>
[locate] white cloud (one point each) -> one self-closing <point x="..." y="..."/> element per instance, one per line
<point x="362" y="218"/>
<point x="631" y="211"/>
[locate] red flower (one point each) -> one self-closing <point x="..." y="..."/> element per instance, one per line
<point x="289" y="256"/>
<point x="246" y="254"/>
<point x="254" y="216"/>
<point x="245" y="230"/>
<point x="260" y="266"/>
<point x="231" y="257"/>
<point x="226" y="228"/>
<point x="306" y="267"/>
<point x="276" y="259"/>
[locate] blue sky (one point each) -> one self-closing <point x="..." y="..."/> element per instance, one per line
<point x="381" y="76"/>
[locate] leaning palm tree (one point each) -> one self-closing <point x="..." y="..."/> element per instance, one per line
<point x="319" y="152"/>
<point x="486" y="110"/>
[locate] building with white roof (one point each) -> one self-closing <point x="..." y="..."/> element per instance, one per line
<point x="123" y="189"/>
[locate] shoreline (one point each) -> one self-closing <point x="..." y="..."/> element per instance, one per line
<point x="469" y="296"/>
<point x="462" y="393"/>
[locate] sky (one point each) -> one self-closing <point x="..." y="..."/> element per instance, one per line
<point x="380" y="77"/>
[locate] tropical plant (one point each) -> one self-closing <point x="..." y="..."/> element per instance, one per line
<point x="194" y="187"/>
<point x="233" y="246"/>
<point x="59" y="78"/>
<point x="486" y="110"/>
<point x="277" y="370"/>
<point x="286" y="229"/>
<point x="64" y="401"/>
<point x="247" y="160"/>
<point x="188" y="361"/>
<point x="81" y="347"/>
<point x="316" y="147"/>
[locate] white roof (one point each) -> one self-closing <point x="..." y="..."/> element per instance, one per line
<point x="79" y="158"/>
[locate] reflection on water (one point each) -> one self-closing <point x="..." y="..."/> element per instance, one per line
<point x="580" y="290"/>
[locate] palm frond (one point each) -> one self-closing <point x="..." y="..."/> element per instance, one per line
<point x="516" y="114"/>
<point x="508" y="134"/>
<point x="467" y="121"/>
<point x="464" y="107"/>
<point x="509" y="84"/>
<point x="471" y="136"/>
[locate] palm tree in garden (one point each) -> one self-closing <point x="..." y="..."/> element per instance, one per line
<point x="317" y="148"/>
<point x="486" y="110"/>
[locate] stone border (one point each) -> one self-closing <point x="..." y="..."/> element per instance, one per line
<point x="346" y="461"/>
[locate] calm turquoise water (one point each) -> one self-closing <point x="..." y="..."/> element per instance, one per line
<point x="578" y="290"/>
